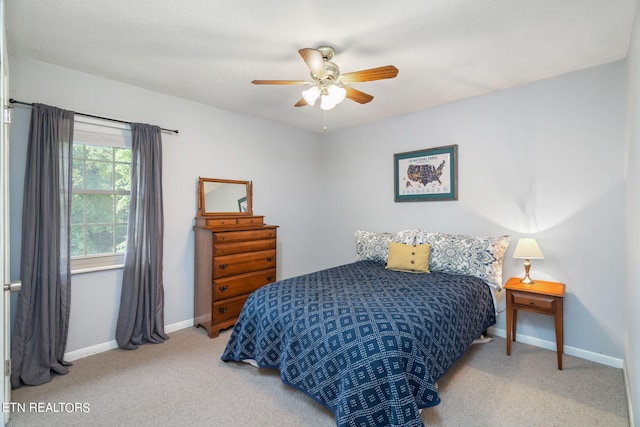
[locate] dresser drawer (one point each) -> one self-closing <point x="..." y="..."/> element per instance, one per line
<point x="227" y="309"/>
<point x="242" y="283"/>
<point x="541" y="302"/>
<point x="230" y="265"/>
<point x="221" y="222"/>
<point x="252" y="220"/>
<point x="240" y="247"/>
<point x="231" y="221"/>
<point x="242" y="236"/>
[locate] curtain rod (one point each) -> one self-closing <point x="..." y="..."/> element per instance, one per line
<point x="13" y="101"/>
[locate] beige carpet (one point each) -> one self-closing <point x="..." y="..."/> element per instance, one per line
<point x="183" y="382"/>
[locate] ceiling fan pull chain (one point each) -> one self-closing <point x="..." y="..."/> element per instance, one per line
<point x="325" y="120"/>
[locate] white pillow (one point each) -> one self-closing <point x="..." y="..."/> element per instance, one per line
<point x="374" y="246"/>
<point x="478" y="256"/>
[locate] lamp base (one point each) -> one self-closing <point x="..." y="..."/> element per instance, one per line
<point x="527" y="280"/>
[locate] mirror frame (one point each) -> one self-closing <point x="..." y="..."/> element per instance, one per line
<point x="249" y="191"/>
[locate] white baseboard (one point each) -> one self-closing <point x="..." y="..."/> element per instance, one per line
<point x="110" y="345"/>
<point x="177" y="326"/>
<point x="572" y="351"/>
<point x="583" y="354"/>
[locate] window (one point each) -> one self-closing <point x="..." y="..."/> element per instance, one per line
<point x="100" y="196"/>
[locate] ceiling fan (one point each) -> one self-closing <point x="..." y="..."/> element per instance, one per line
<point x="327" y="83"/>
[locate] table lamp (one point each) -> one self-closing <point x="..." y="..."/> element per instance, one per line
<point x="528" y="249"/>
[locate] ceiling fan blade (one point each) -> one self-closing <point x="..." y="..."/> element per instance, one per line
<point x="315" y="62"/>
<point x="357" y="95"/>
<point x="301" y="103"/>
<point x="379" y="73"/>
<point x="279" y="82"/>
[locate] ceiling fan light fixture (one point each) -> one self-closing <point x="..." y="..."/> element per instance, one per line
<point x="327" y="83"/>
<point x="326" y="103"/>
<point x="311" y="95"/>
<point x="332" y="96"/>
<point x="336" y="93"/>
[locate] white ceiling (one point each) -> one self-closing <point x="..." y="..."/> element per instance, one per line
<point x="209" y="51"/>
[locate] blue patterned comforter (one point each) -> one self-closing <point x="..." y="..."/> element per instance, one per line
<point x="367" y="342"/>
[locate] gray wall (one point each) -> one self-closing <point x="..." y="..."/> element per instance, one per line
<point x="632" y="229"/>
<point x="213" y="143"/>
<point x="545" y="159"/>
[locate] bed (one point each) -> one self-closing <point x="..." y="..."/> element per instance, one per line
<point x="366" y="341"/>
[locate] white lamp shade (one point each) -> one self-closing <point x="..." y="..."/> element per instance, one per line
<point x="528" y="248"/>
<point x="337" y="94"/>
<point x="327" y="103"/>
<point x="334" y="96"/>
<point x="311" y="95"/>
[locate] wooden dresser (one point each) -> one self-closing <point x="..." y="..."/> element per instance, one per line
<point x="235" y="252"/>
<point x="233" y="257"/>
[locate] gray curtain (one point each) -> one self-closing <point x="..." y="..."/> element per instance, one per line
<point x="42" y="316"/>
<point x="141" y="316"/>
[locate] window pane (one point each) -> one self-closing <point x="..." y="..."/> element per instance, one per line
<point x="121" y="238"/>
<point x="99" y="221"/>
<point x="78" y="173"/>
<point x="99" y="208"/>
<point x="99" y="239"/>
<point x="77" y="240"/>
<point x="77" y="209"/>
<point x="123" y="176"/>
<point x="122" y="155"/>
<point x="78" y="151"/>
<point x="98" y="175"/>
<point x="95" y="152"/>
<point x="122" y="209"/>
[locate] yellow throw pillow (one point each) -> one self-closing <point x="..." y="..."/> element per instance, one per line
<point x="412" y="258"/>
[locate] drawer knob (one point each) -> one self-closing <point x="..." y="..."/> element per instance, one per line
<point x="223" y="266"/>
<point x="269" y="258"/>
<point x="222" y="309"/>
<point x="223" y="288"/>
<point x="532" y="302"/>
<point x="269" y="278"/>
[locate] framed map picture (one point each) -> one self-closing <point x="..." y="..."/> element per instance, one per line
<point x="426" y="175"/>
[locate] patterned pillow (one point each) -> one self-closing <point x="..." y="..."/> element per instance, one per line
<point x="476" y="256"/>
<point x="374" y="246"/>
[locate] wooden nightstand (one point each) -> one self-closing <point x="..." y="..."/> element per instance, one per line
<point x="539" y="297"/>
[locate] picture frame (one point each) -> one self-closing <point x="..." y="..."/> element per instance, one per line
<point x="243" y="204"/>
<point x="426" y="175"/>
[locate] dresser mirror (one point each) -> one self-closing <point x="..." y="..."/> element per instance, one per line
<point x="224" y="197"/>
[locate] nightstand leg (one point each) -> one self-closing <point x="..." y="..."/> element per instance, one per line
<point x="508" y="333"/>
<point x="559" y="333"/>
<point x="510" y="312"/>
<point x="515" y="323"/>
